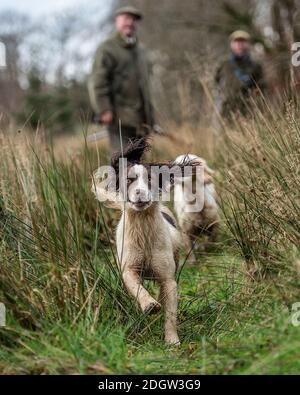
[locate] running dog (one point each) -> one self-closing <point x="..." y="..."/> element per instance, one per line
<point x="204" y="220"/>
<point x="147" y="236"/>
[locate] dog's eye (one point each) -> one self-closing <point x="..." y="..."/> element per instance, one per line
<point x="130" y="180"/>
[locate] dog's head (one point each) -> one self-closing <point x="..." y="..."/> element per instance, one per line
<point x="133" y="178"/>
<point x="190" y="159"/>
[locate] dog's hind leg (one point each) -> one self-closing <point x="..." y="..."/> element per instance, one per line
<point x="168" y="296"/>
<point x="212" y="234"/>
<point x="134" y="286"/>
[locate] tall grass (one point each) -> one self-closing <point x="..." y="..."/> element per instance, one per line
<point x="261" y="169"/>
<point x="55" y="243"/>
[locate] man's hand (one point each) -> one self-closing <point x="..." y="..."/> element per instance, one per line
<point x="106" y="117"/>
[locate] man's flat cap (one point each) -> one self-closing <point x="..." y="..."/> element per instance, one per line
<point x="239" y="35"/>
<point x="129" y="10"/>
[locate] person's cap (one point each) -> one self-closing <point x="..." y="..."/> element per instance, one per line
<point x="239" y="35"/>
<point x="129" y="10"/>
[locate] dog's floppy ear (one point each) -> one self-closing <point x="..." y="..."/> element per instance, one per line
<point x="208" y="172"/>
<point x="103" y="190"/>
<point x="202" y="162"/>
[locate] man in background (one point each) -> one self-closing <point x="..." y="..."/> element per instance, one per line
<point x="238" y="77"/>
<point x="119" y="84"/>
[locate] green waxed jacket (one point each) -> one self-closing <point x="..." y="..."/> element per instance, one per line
<point x="120" y="82"/>
<point x="237" y="80"/>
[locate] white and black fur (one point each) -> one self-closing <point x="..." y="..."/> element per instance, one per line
<point x="147" y="237"/>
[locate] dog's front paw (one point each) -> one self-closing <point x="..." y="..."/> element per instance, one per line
<point x="152" y="308"/>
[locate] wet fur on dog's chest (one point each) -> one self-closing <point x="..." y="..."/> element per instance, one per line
<point x="144" y="230"/>
<point x="146" y="236"/>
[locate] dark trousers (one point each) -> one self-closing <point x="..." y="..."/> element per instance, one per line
<point x="127" y="133"/>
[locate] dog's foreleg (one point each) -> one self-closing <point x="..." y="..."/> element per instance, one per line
<point x="134" y="286"/>
<point x="168" y="296"/>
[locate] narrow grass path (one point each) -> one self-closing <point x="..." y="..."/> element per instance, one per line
<point x="227" y="324"/>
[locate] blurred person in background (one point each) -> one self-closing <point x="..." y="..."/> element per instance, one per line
<point x="239" y="77"/>
<point x="119" y="83"/>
